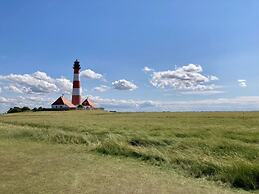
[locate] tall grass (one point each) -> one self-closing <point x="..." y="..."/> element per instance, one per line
<point x="217" y="146"/>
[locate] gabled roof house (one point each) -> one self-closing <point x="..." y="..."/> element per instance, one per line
<point x="62" y="103"/>
<point x="88" y="104"/>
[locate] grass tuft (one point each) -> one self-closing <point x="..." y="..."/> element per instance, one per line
<point x="242" y="175"/>
<point x="198" y="169"/>
<point x="148" y="141"/>
<point x="115" y="147"/>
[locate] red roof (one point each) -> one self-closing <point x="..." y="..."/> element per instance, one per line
<point x="89" y="103"/>
<point x="63" y="101"/>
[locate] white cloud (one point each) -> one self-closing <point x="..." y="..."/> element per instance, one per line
<point x="192" y="68"/>
<point x="90" y="74"/>
<point x="242" y="83"/>
<point x="30" y="101"/>
<point x="206" y="92"/>
<point x="147" y="69"/>
<point x="213" y="78"/>
<point x="27" y="100"/>
<point x="36" y="100"/>
<point x="38" y="82"/>
<point x="219" y="104"/>
<point x="13" y="88"/>
<point x="0" y="90"/>
<point x="124" y="85"/>
<point x="101" y="88"/>
<point x="121" y="104"/>
<point x="64" y="85"/>
<point x="3" y="100"/>
<point x="187" y="77"/>
<point x="42" y="76"/>
<point x="18" y="89"/>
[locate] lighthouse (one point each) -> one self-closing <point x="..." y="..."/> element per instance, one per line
<point x="63" y="104"/>
<point x="76" y="97"/>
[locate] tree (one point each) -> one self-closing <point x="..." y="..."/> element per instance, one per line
<point x="25" y="108"/>
<point x="14" y="110"/>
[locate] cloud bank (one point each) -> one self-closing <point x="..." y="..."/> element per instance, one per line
<point x="219" y="104"/>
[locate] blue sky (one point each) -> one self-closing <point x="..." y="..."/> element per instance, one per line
<point x="118" y="38"/>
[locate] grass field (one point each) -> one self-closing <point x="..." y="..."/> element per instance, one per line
<point x="129" y="152"/>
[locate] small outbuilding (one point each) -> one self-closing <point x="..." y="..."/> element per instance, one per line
<point x="62" y="103"/>
<point x="88" y="104"/>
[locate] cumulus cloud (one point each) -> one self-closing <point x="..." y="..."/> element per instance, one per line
<point x="187" y="77"/>
<point x="242" y="83"/>
<point x="64" y="85"/>
<point x="18" y="89"/>
<point x="124" y="85"/>
<point x="101" y="88"/>
<point x="147" y="69"/>
<point x="30" y="81"/>
<point x="38" y="82"/>
<point x="90" y="74"/>
<point x="42" y="76"/>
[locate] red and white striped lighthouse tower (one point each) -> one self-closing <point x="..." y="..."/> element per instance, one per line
<point x="76" y="97"/>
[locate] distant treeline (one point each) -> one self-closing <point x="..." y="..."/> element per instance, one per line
<point x="27" y="109"/>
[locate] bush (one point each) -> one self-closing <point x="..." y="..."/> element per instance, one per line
<point x="18" y="109"/>
<point x="25" y="108"/>
<point x="40" y="109"/>
<point x="35" y="109"/>
<point x="14" y="110"/>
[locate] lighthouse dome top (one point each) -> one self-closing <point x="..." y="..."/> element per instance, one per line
<point x="77" y="64"/>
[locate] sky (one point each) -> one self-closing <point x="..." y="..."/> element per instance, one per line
<point x="136" y="55"/>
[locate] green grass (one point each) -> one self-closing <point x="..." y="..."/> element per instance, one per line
<point x="33" y="167"/>
<point x="221" y="147"/>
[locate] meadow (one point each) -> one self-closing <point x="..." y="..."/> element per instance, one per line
<point x="217" y="152"/>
